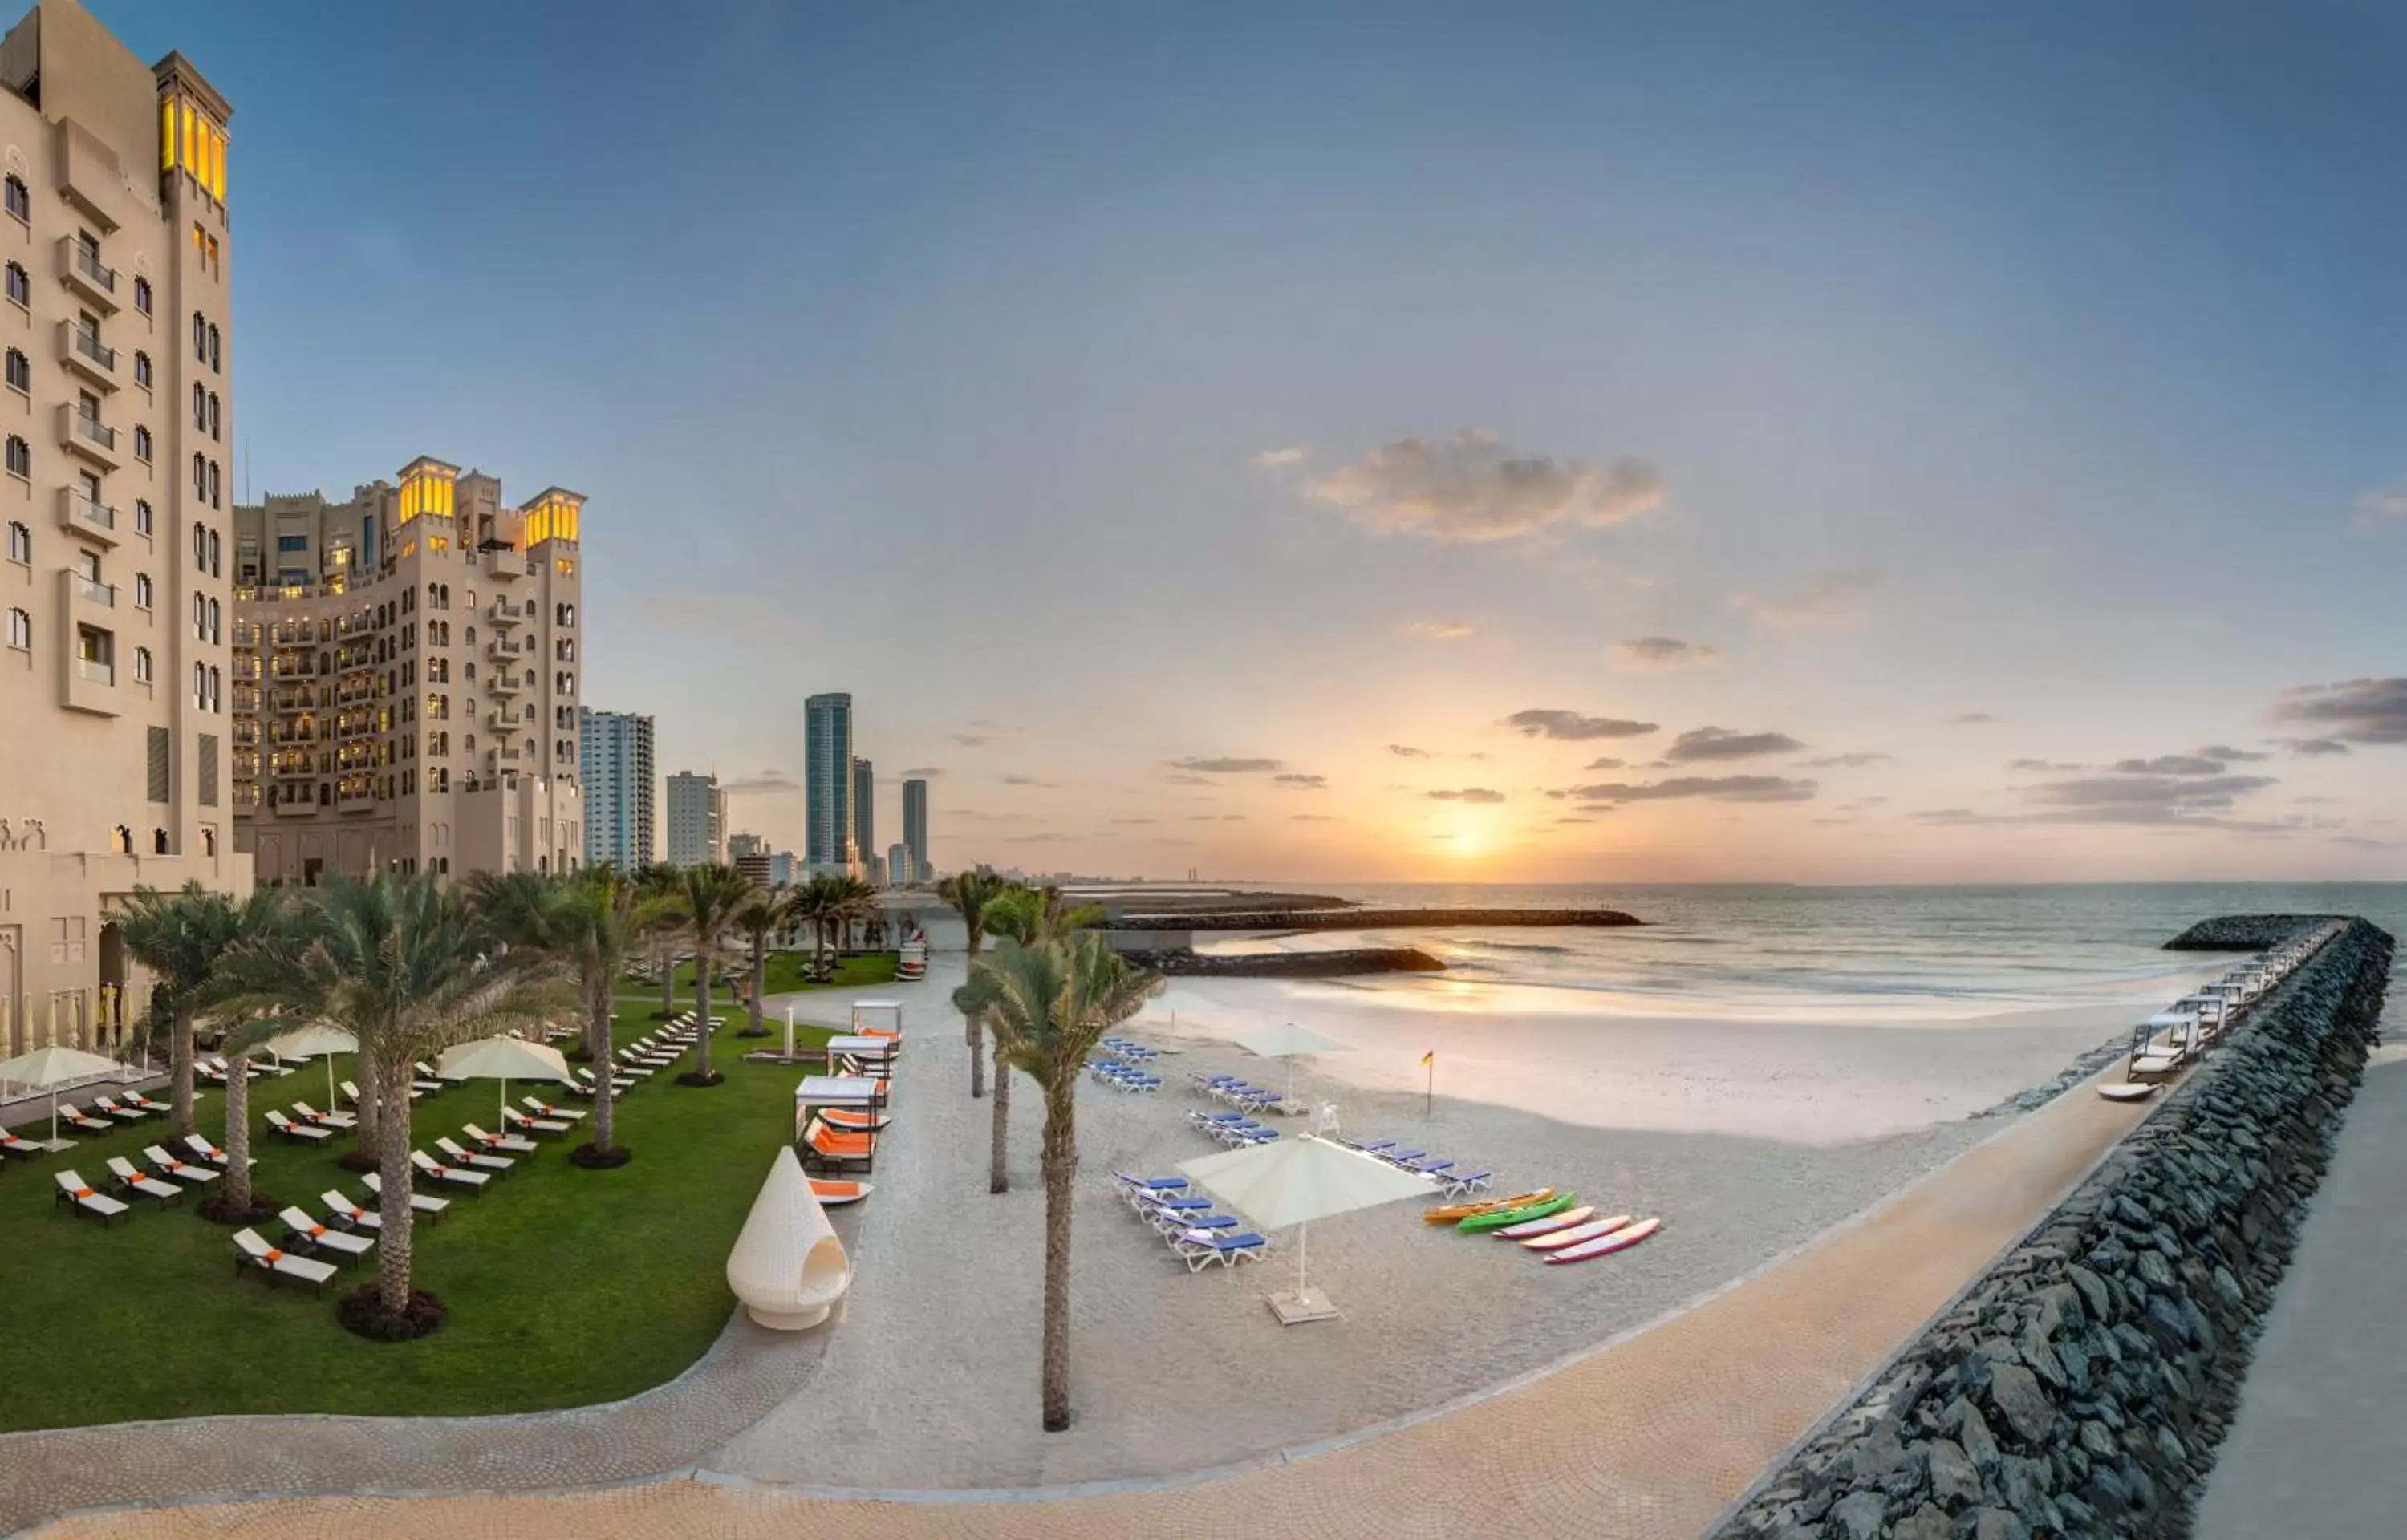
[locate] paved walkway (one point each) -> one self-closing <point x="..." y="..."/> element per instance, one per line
<point x="2321" y="1439"/>
<point x="1647" y="1439"/>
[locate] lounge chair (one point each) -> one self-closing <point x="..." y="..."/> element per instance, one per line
<point x="847" y="1121"/>
<point x="830" y="1148"/>
<point x="172" y="1169"/>
<point x="498" y="1165"/>
<point x="76" y="1192"/>
<point x="419" y="1202"/>
<point x="22" y="1149"/>
<point x="310" y="1235"/>
<point x="349" y="1215"/>
<point x="511" y="1142"/>
<point x="130" y="1180"/>
<point x="137" y="1100"/>
<point x="427" y="1082"/>
<point x="515" y="1120"/>
<point x="291" y="1130"/>
<point x="119" y="1111"/>
<point x="542" y="1109"/>
<point x="1463" y="1183"/>
<point x="1133" y="1188"/>
<point x="259" y="1256"/>
<point x="326" y="1120"/>
<point x="75" y="1117"/>
<point x="208" y="1151"/>
<point x="1200" y="1249"/>
<point x="207" y="1070"/>
<point x="476" y="1180"/>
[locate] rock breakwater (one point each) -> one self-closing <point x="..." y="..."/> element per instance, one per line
<point x="1289" y="964"/>
<point x="2245" y="932"/>
<point x="2081" y="1386"/>
<point x="1369" y="919"/>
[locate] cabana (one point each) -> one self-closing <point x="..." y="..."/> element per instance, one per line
<point x="787" y="1267"/>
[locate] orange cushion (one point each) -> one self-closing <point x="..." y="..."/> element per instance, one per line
<point x="317" y="1230"/>
<point x="275" y="1256"/>
<point x="83" y="1191"/>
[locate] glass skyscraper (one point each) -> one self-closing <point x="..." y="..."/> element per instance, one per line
<point x="914" y="830"/>
<point x="827" y="782"/>
<point x="615" y="761"/>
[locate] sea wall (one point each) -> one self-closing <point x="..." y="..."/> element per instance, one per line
<point x="2245" y="932"/>
<point x="2081" y="1386"/>
<point x="1371" y="919"/>
<point x="1289" y="964"/>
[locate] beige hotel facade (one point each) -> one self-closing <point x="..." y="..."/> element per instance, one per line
<point x="116" y="432"/>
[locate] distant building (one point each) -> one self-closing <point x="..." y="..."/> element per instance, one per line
<point x="753" y="865"/>
<point x="697" y="820"/>
<point x="615" y="750"/>
<point x="865" y="808"/>
<point x="781" y="869"/>
<point x="827" y="782"/>
<point x="742" y="845"/>
<point x="914" y="830"/>
<point x="897" y="865"/>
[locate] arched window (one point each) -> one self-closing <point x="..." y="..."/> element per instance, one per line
<point x="20" y="369"/>
<point x="208" y="839"/>
<point x="213" y="413"/>
<point x="216" y="549"/>
<point x="20" y="284"/>
<point x="200" y="406"/>
<point x="142" y="590"/>
<point x="21" y="630"/>
<point x="142" y="369"/>
<point x="214" y="356"/>
<point x="20" y="542"/>
<point x="142" y="444"/>
<point x="21" y="456"/>
<point x="200" y="545"/>
<point x="141" y="515"/>
<point x="121" y="841"/>
<point x="142" y="665"/>
<point x="213" y="484"/>
<point x="20" y="201"/>
<point x="200" y="477"/>
<point x="158" y="841"/>
<point x="217" y="689"/>
<point x="200" y="339"/>
<point x="200" y="618"/>
<point x="142" y="295"/>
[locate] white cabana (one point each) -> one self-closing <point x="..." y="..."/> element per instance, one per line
<point x="1289" y="1042"/>
<point x="1295" y="1181"/>
<point x="866" y="1016"/>
<point x="787" y="1267"/>
<point x="310" y="1042"/>
<point x="49" y="1068"/>
<point x="504" y="1059"/>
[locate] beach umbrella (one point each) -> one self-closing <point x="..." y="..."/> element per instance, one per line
<point x="1288" y="1042"/>
<point x="311" y="1042"/>
<point x="1295" y="1181"/>
<point x="504" y="1059"/>
<point x="47" y="1070"/>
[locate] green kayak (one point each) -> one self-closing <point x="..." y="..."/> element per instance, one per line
<point x="1478" y="1222"/>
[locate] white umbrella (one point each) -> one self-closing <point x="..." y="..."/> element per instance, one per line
<point x="504" y="1059"/>
<point x="1295" y="1181"/>
<point x="1287" y="1042"/>
<point x="47" y="1070"/>
<point x="310" y="1042"/>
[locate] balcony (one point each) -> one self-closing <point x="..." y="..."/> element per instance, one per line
<point x="503" y="682"/>
<point x="296" y="798"/>
<point x="246" y="670"/>
<point x="501" y="612"/>
<point x="287" y="737"/>
<point x="355" y="799"/>
<point x="355" y="624"/>
<point x="501" y="650"/>
<point x="295" y="633"/>
<point x="90" y="437"/>
<point x="244" y="733"/>
<point x="85" y="355"/>
<point x="245" y="633"/>
<point x="296" y="668"/>
<point x="506" y="754"/>
<point x="502" y="720"/>
<point x="88" y="276"/>
<point x="82" y="516"/>
<point x="286" y="702"/>
<point x="503" y="564"/>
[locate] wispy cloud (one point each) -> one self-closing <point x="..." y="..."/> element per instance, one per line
<point x="1468" y="793"/>
<point x="1027" y="781"/>
<point x="1405" y="751"/>
<point x="2044" y="767"/>
<point x="1471" y="488"/>
<point x="922" y="772"/>
<point x="2355" y="710"/>
<point x="1966" y="719"/>
<point x="1300" y="783"/>
<point x="1311" y="818"/>
<point x="1135" y="819"/>
<point x="1721" y="788"/>
<point x="2381" y="507"/>
<point x="1660" y="654"/>
<point x="1703" y="743"/>
<point x="766" y="781"/>
<point x="1225" y="764"/>
<point x="2230" y="755"/>
<point x="1182" y="779"/>
<point x="1607" y="763"/>
<point x="1549" y="723"/>
<point x="2312" y="748"/>
<point x="1439" y="630"/>
<point x="973" y="740"/>
<point x="1827" y="600"/>
<point x="1846" y="761"/>
<point x="1276" y="460"/>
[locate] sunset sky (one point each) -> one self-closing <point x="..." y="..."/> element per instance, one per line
<point x="1519" y="444"/>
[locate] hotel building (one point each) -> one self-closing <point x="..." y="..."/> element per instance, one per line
<point x="405" y="675"/>
<point x="614" y="761"/>
<point x="115" y="428"/>
<point x="697" y="820"/>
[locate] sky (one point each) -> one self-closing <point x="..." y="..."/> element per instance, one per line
<point x="1604" y="443"/>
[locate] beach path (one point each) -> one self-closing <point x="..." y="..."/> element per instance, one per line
<point x="1647" y="1439"/>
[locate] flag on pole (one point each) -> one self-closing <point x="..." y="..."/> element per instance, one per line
<point x="1430" y="1057"/>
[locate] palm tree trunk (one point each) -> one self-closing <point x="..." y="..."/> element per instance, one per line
<point x="668" y="981"/>
<point x="238" y="1133"/>
<point x="702" y="1009"/>
<point x="974" y="1032"/>
<point x="180" y="1075"/>
<point x="760" y="978"/>
<point x="1061" y="1170"/>
<point x="394" y="1173"/>
<point x="998" y="1176"/>
<point x="605" y="1098"/>
<point x="370" y="1106"/>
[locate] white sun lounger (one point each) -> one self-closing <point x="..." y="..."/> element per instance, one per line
<point x="542" y="1109"/>
<point x="74" y="1191"/>
<point x="292" y="1130"/>
<point x="326" y="1120"/>
<point x="349" y="1214"/>
<point x="172" y="1169"/>
<point x="208" y="1151"/>
<point x="70" y="1113"/>
<point x="274" y="1264"/>
<point x="419" y="1202"/>
<point x="122" y="1113"/>
<point x="513" y="1119"/>
<point x="130" y="1179"/>
<point x="311" y="1235"/>
<point x="495" y="1163"/>
<point x="511" y="1142"/>
<point x="479" y="1181"/>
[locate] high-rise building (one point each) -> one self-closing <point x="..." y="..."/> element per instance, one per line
<point x="827" y="782"/>
<point x="697" y="820"/>
<point x="897" y="865"/>
<point x="864" y="809"/>
<point x="406" y="679"/>
<point x="614" y="761"/>
<point x="114" y="590"/>
<point x="915" y="830"/>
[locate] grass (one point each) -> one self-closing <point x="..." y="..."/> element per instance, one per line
<point x="565" y="1287"/>
<point x="783" y="972"/>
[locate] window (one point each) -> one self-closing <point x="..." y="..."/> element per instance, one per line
<point x="142" y="590"/>
<point x="216" y="699"/>
<point x="215" y="548"/>
<point x="20" y="457"/>
<point x="142" y="444"/>
<point x="213" y="348"/>
<point x="20" y="544"/>
<point x="142" y="665"/>
<point x="142" y="369"/>
<point x="291" y="543"/>
<point x="217" y="621"/>
<point x="142" y="295"/>
<point x="19" y="285"/>
<point x="21" y="371"/>
<point x="200" y="407"/>
<point x="200" y="545"/>
<point x="213" y="413"/>
<point x="200" y="477"/>
<point x="213" y="485"/>
<point x="141" y="516"/>
<point x="200" y="618"/>
<point x="200" y="339"/>
<point x="21" y="630"/>
<point x="19" y="200"/>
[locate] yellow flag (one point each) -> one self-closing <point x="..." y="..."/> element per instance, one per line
<point x="1430" y="1057"/>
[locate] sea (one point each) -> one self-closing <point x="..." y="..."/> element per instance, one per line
<point x="1866" y="955"/>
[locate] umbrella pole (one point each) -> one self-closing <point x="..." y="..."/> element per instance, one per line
<point x="1303" y="1253"/>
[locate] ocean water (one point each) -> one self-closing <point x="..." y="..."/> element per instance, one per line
<point x="1855" y="954"/>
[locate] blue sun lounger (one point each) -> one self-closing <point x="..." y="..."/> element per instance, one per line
<point x="1200" y="1249"/>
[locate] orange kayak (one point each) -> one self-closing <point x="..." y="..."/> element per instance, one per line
<point x="1455" y="1214"/>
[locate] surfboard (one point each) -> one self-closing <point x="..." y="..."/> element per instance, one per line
<point x="2128" y="1091"/>
<point x="1578" y="1235"/>
<point x="1605" y="1245"/>
<point x="1548" y="1225"/>
<point x="1497" y="1221"/>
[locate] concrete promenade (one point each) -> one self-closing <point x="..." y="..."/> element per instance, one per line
<point x="1647" y="1439"/>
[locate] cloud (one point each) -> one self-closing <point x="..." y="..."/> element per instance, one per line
<point x="1546" y="722"/>
<point x="1827" y="600"/>
<point x="1276" y="460"/>
<point x="1302" y="782"/>
<point x="2151" y="789"/>
<point x="1185" y="780"/>
<point x="1471" y="488"/>
<point x="1722" y="743"/>
<point x="1311" y="818"/>
<point x="2378" y="507"/>
<point x="1966" y="719"/>
<point x="1134" y="820"/>
<point x="2230" y="755"/>
<point x="973" y="740"/>
<point x="1721" y="788"/>
<point x="1846" y="761"/>
<point x="1468" y="793"/>
<point x="2312" y="748"/>
<point x="1226" y="766"/>
<point x="1660" y="654"/>
<point x="1027" y="781"/>
<point x="2169" y="764"/>
<point x="766" y="781"/>
<point x="2355" y="710"/>
<point x="1606" y="764"/>
<point x="1572" y="818"/>
<point x="1438" y="630"/>
<point x="1216" y="817"/>
<point x="2044" y="767"/>
<point x="922" y="772"/>
<point x="1405" y="751"/>
<point x="977" y="816"/>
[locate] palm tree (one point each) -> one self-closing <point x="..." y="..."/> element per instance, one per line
<point x="1049" y="1003"/>
<point x="661" y="879"/>
<point x="178" y="937"/>
<point x="709" y="900"/>
<point x="762" y="916"/>
<point x="969" y="893"/>
<point x="1026" y="915"/>
<point x="406" y="965"/>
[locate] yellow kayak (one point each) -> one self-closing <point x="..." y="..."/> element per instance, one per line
<point x="1454" y="1214"/>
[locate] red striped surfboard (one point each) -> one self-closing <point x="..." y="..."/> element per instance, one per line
<point x="1605" y="1245"/>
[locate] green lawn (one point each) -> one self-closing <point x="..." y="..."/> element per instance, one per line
<point x="565" y="1287"/>
<point x="784" y="970"/>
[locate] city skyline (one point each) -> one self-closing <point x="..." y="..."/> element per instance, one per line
<point x="1529" y="483"/>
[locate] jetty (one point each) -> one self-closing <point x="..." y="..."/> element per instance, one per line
<point x="1159" y="931"/>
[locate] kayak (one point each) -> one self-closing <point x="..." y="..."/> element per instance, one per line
<point x="1477" y="1223"/>
<point x="1605" y="1245"/>
<point x="1455" y="1212"/>
<point x="1577" y="1233"/>
<point x="1563" y="1220"/>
